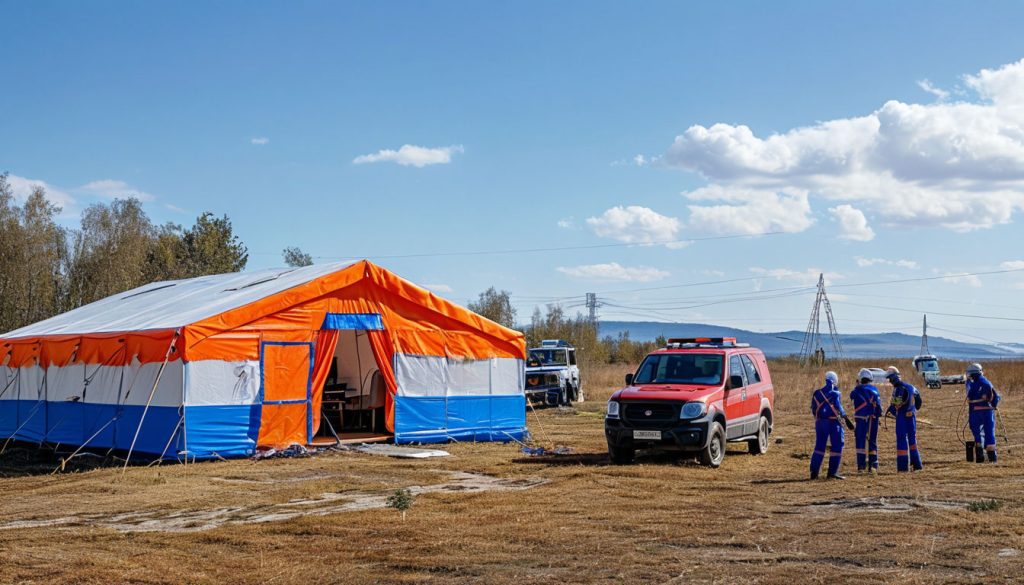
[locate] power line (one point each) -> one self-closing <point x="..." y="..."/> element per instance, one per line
<point x="934" y="312"/>
<point x="552" y="249"/>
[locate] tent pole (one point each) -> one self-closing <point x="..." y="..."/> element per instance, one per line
<point x="160" y="372"/>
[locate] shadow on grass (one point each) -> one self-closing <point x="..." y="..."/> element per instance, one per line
<point x="28" y="459"/>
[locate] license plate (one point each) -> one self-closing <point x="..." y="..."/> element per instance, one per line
<point x="647" y="435"/>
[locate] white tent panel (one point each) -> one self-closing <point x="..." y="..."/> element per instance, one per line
<point x="215" y="382"/>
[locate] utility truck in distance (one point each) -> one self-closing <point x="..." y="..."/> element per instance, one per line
<point x="693" y="396"/>
<point x="552" y="375"/>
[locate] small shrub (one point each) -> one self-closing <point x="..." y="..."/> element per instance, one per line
<point x="984" y="506"/>
<point x="401" y="500"/>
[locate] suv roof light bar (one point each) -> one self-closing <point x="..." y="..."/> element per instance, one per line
<point x="685" y="342"/>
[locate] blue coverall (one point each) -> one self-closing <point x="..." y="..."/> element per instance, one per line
<point x="982" y="399"/>
<point x="867" y="408"/>
<point x="827" y="407"/>
<point x="904" y="409"/>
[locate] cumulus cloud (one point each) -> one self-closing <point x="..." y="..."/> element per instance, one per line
<point x="567" y="223"/>
<point x="806" y="277"/>
<point x="927" y="86"/>
<point x="22" y="187"/>
<point x="740" y="211"/>
<point x="259" y="141"/>
<point x="411" y="156"/>
<point x="637" y="225"/>
<point x="957" y="165"/>
<point x="114" y="189"/>
<point x="852" y="223"/>
<point x="869" y="262"/>
<point x="962" y="279"/>
<point x="613" y="271"/>
<point x="438" y="288"/>
<point x="1012" y="265"/>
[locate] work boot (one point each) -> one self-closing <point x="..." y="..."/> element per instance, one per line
<point x="992" y="456"/>
<point x="970" y="450"/>
<point x="979" y="454"/>
<point x="835" y="476"/>
<point x="814" y="475"/>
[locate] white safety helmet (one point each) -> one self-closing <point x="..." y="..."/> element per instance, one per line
<point x="892" y="372"/>
<point x="865" y="374"/>
<point x="974" y="369"/>
<point x="832" y="377"/>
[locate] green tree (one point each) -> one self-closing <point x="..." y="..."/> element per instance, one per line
<point x="496" y="306"/>
<point x="295" y="257"/>
<point x="165" y="259"/>
<point x="110" y="252"/>
<point x="211" y="247"/>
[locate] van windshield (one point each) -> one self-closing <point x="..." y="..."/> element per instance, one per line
<point x="546" y="357"/>
<point x="681" y="368"/>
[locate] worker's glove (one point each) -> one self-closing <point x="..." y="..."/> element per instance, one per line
<point x="849" y="423"/>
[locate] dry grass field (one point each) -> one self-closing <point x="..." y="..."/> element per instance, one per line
<point x="490" y="514"/>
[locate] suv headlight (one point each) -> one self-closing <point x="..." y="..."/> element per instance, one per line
<point x="691" y="410"/>
<point x="613" y="409"/>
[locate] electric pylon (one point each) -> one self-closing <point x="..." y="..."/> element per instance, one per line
<point x="812" y="352"/>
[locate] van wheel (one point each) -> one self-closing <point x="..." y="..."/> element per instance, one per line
<point x="714" y="452"/>
<point x="621" y="455"/>
<point x="759" y="445"/>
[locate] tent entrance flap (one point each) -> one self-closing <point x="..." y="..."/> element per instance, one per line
<point x="354" y="392"/>
<point x="286" y="375"/>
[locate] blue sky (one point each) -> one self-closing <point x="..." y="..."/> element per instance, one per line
<point x="875" y="142"/>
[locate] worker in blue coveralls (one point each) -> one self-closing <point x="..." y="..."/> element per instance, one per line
<point x="903" y="406"/>
<point x="982" y="400"/>
<point x="867" y="409"/>
<point x="827" y="408"/>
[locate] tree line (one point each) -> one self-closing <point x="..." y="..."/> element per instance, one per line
<point x="554" y="323"/>
<point x="46" y="269"/>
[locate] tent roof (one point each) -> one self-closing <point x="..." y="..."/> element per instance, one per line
<point x="175" y="303"/>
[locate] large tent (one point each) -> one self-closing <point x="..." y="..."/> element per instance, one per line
<point x="218" y="365"/>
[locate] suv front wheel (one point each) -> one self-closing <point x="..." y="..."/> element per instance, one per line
<point x="714" y="452"/>
<point x="621" y="455"/>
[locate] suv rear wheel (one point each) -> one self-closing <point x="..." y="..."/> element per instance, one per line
<point x="759" y="445"/>
<point x="714" y="452"/>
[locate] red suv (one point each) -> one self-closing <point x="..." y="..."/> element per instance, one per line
<point x="693" y="396"/>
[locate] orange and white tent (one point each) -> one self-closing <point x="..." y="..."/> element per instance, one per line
<point x="218" y="365"/>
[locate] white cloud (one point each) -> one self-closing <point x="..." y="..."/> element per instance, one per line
<point x="114" y="189"/>
<point x="259" y="141"/>
<point x="1012" y="265"/>
<point x="567" y="223"/>
<point x="23" y="187"/>
<point x="614" y="271"/>
<point x="927" y="86"/>
<point x="637" y="225"/>
<point x="956" y="165"/>
<point x="174" y="208"/>
<point x="639" y="160"/>
<point x="742" y="211"/>
<point x="438" y="288"/>
<point x="806" y="277"/>
<point x="963" y="279"/>
<point x="852" y="223"/>
<point x="869" y="262"/>
<point x="410" y="155"/>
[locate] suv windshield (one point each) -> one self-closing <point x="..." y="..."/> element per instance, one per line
<point x="681" y="368"/>
<point x="546" y="357"/>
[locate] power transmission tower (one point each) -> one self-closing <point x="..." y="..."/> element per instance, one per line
<point x="811" y="350"/>
<point x="592" y="307"/>
<point x="924" y="338"/>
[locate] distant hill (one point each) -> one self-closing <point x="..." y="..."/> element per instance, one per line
<point x="783" y="343"/>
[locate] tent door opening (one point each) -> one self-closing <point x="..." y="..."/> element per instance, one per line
<point x="354" y="393"/>
<point x="286" y="374"/>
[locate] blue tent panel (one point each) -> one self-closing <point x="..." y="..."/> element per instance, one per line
<point x="463" y="418"/>
<point x="358" y="321"/>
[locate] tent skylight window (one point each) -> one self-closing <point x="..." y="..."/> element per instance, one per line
<point x="149" y="290"/>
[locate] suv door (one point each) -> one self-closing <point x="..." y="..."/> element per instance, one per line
<point x="735" y="399"/>
<point x="755" y="391"/>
